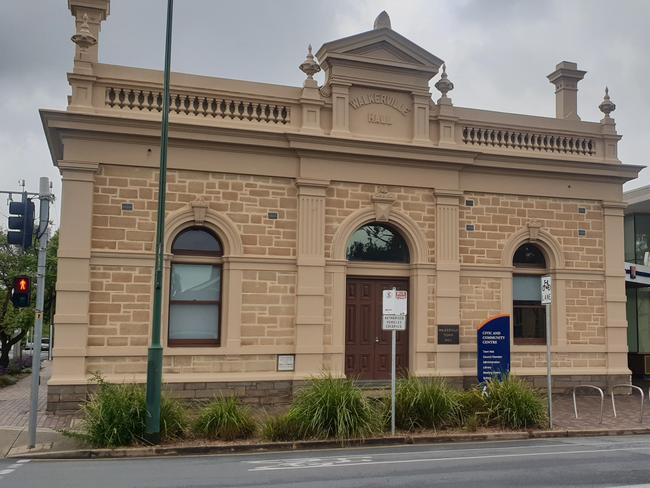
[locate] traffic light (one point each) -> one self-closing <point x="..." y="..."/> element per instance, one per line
<point x="21" y="223"/>
<point x="21" y="291"/>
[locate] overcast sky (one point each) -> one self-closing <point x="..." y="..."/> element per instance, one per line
<point x="498" y="54"/>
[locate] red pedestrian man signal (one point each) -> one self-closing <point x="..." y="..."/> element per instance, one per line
<point x="21" y="291"/>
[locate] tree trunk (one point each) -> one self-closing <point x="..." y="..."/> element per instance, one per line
<point x="5" y="346"/>
<point x="4" y="355"/>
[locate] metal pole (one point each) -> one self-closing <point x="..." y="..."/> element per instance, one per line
<point x="393" y="354"/>
<point x="392" y="383"/>
<point x="44" y="216"/>
<point x="155" y="353"/>
<point x="548" y="366"/>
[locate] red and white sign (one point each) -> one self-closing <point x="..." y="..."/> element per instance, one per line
<point x="394" y="310"/>
<point x="395" y="302"/>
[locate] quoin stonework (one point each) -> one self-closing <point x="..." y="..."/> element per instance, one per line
<point x="289" y="209"/>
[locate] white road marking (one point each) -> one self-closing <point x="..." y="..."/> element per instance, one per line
<point x="13" y="467"/>
<point x="328" y="464"/>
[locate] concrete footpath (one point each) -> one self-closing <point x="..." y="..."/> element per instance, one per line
<point x="14" y="418"/>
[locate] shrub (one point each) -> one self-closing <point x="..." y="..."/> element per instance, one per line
<point x="426" y="404"/>
<point x="333" y="407"/>
<point x="115" y="415"/>
<point x="7" y="380"/>
<point x="225" y="418"/>
<point x="280" y="428"/>
<point x="473" y="408"/>
<point x="512" y="403"/>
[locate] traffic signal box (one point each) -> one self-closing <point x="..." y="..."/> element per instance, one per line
<point x="21" y="291"/>
<point x="21" y="223"/>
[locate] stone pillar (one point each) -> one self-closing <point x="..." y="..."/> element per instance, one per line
<point x="615" y="300"/>
<point x="447" y="276"/>
<point x="73" y="277"/>
<point x="311" y="104"/>
<point x="310" y="293"/>
<point x="421" y="118"/>
<point x="88" y="14"/>
<point x="340" y="109"/>
<point x="565" y="78"/>
<point x="446" y="122"/>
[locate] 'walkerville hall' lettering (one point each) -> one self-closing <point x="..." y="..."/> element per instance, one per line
<point x="389" y="100"/>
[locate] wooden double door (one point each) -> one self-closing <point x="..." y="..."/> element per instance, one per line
<point x="367" y="346"/>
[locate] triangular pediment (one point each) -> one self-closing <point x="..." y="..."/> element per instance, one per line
<point x="384" y="51"/>
<point x="380" y="46"/>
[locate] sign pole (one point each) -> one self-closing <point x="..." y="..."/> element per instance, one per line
<point x="392" y="381"/>
<point x="547" y="298"/>
<point x="393" y="319"/>
<point x="548" y="366"/>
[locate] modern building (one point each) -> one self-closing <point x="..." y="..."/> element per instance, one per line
<point x="290" y="209"/>
<point x="637" y="286"/>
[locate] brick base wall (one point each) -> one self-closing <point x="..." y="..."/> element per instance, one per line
<point x="65" y="399"/>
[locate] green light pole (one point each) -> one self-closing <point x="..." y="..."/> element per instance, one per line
<point x="155" y="354"/>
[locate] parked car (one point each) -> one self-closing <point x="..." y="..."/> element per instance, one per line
<point x="45" y="345"/>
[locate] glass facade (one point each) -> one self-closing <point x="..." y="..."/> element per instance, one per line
<point x="637" y="237"/>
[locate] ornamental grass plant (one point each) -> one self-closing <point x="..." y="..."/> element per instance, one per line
<point x="426" y="404"/>
<point x="331" y="407"/>
<point x="225" y="418"/>
<point x="116" y="415"/>
<point x="280" y="428"/>
<point x="512" y="403"/>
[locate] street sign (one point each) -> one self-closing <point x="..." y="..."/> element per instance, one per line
<point x="393" y="322"/>
<point x="395" y="302"/>
<point x="546" y="290"/>
<point x="493" y="339"/>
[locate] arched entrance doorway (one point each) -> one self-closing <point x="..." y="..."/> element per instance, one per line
<point x="367" y="346"/>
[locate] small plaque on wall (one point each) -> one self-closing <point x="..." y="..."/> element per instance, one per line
<point x="286" y="362"/>
<point x="448" y="334"/>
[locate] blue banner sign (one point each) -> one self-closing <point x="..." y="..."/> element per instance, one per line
<point x="493" y="339"/>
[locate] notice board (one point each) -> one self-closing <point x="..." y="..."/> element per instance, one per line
<point x="493" y="340"/>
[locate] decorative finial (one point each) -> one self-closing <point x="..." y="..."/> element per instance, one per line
<point x="84" y="38"/>
<point x="444" y="85"/>
<point x="607" y="106"/>
<point x="382" y="21"/>
<point x="309" y="66"/>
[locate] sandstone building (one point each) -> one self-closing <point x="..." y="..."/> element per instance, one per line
<point x="289" y="209"/>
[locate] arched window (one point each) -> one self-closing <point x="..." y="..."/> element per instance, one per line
<point x="195" y="290"/>
<point x="377" y="242"/>
<point x="529" y="315"/>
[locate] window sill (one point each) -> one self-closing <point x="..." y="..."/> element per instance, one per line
<point x="193" y="343"/>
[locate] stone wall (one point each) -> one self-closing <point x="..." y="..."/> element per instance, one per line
<point x="497" y="217"/>
<point x="120" y="305"/>
<point x="268" y="308"/>
<point x="246" y="200"/>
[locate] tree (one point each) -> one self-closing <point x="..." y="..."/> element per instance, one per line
<point x="15" y="323"/>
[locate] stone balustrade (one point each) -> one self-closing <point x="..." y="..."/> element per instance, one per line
<point x="543" y="142"/>
<point x="148" y="100"/>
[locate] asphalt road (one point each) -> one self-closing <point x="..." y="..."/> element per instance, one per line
<point x="595" y="461"/>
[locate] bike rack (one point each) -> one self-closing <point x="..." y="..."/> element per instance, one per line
<point x="626" y="385"/>
<point x="602" y="399"/>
